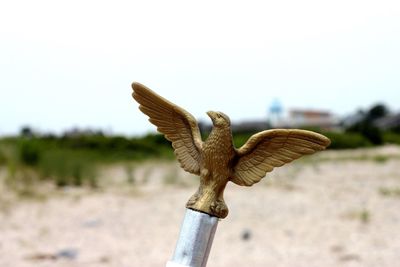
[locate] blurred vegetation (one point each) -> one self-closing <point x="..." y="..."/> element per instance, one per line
<point x="366" y="125"/>
<point x="390" y="192"/>
<point x="73" y="158"/>
<point x="391" y="137"/>
<point x="347" y="140"/>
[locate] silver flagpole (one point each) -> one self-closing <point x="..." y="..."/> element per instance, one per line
<point x="195" y="240"/>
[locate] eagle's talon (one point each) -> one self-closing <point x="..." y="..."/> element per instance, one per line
<point x="219" y="208"/>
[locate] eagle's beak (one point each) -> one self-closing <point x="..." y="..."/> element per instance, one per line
<point x="211" y="114"/>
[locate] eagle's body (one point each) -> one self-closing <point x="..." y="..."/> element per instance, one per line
<point x="217" y="156"/>
<point x="216" y="160"/>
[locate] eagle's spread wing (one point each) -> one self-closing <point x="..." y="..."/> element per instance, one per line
<point x="177" y="125"/>
<point x="273" y="148"/>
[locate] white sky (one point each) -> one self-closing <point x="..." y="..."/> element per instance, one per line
<point x="71" y="63"/>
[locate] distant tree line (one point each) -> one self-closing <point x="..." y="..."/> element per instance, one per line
<point x="73" y="157"/>
<point x="369" y="127"/>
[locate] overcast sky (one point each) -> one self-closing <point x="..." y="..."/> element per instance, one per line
<point x="67" y="64"/>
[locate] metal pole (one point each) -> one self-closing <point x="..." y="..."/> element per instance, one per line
<point x="195" y="240"/>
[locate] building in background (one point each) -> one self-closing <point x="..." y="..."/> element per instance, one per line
<point x="278" y="117"/>
<point x="308" y="118"/>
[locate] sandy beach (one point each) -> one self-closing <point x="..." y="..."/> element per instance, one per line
<point x="337" y="208"/>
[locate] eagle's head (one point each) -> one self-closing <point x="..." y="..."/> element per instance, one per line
<point x="219" y="119"/>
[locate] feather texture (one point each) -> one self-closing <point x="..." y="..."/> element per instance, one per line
<point x="273" y="148"/>
<point x="177" y="125"/>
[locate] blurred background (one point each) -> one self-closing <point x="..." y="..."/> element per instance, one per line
<point x="85" y="180"/>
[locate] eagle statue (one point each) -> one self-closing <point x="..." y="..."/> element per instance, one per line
<point x="216" y="160"/>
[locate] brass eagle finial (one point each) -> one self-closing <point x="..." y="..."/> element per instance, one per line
<point x="216" y="160"/>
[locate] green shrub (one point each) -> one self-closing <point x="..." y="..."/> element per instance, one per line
<point x="68" y="167"/>
<point x="368" y="130"/>
<point x="240" y="139"/>
<point x="117" y="147"/>
<point x="374" y="135"/>
<point x="365" y="216"/>
<point x="77" y="174"/>
<point x="391" y="138"/>
<point x="3" y="158"/>
<point x="390" y="192"/>
<point x="347" y="140"/>
<point x="29" y="152"/>
<point x="380" y="158"/>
